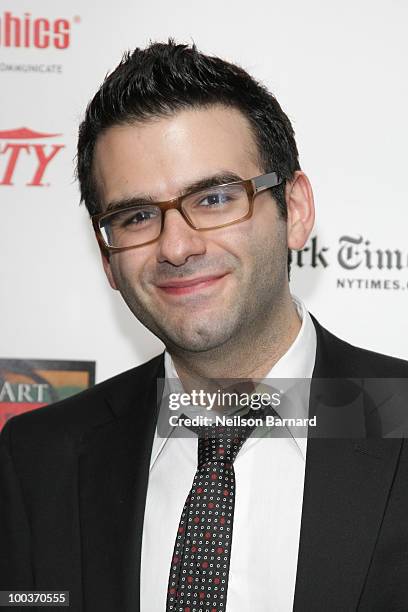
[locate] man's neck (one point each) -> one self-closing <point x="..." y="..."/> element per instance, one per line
<point x="249" y="359"/>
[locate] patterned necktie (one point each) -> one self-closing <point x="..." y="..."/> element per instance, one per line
<point x="199" y="569"/>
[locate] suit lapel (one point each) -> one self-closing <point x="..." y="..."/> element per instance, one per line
<point x="113" y="476"/>
<point x="347" y="482"/>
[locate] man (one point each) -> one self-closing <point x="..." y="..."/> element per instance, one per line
<point x="190" y="171"/>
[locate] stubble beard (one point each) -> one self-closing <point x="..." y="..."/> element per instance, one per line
<point x="247" y="318"/>
<point x="193" y="333"/>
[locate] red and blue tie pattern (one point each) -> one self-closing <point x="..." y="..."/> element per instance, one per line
<point x="199" y="569"/>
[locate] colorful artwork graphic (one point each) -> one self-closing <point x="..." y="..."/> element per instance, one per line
<point x="27" y="384"/>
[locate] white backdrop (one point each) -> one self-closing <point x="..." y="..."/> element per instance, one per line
<point x="339" y="71"/>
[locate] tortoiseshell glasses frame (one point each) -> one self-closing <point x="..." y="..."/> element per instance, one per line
<point x="252" y="187"/>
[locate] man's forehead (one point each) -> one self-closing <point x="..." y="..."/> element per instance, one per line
<point x="160" y="157"/>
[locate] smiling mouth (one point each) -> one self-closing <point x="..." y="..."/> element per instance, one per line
<point x="184" y="286"/>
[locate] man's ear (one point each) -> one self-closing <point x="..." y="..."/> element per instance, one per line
<point x="108" y="270"/>
<point x="301" y="212"/>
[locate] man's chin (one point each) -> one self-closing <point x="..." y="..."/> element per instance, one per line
<point x="196" y="340"/>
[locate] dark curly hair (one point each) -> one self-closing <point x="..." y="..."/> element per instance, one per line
<point x="166" y="78"/>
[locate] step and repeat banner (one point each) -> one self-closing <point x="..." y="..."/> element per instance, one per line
<point x="339" y="71"/>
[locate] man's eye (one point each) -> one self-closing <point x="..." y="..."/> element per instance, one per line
<point x="138" y="217"/>
<point x="214" y="199"/>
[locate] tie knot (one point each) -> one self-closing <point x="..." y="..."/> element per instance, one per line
<point x="221" y="444"/>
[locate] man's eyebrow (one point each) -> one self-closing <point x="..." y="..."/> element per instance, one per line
<point x="211" y="181"/>
<point x="204" y="183"/>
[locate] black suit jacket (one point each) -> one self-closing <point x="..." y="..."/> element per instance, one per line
<point x="73" y="486"/>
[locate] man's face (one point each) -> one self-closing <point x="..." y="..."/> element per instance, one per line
<point x="195" y="290"/>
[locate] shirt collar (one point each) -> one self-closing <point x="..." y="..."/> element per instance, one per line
<point x="297" y="362"/>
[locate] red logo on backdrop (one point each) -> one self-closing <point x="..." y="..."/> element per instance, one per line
<point x="16" y="148"/>
<point x="38" y="32"/>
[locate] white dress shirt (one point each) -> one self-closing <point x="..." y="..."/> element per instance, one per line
<point x="269" y="476"/>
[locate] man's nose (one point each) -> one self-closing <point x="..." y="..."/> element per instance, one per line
<point x="178" y="240"/>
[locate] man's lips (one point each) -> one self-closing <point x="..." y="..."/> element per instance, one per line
<point x="183" y="286"/>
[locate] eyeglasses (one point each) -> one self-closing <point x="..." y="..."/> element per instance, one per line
<point x="218" y="206"/>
